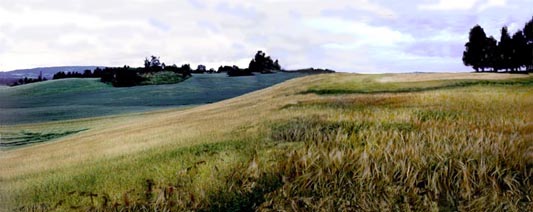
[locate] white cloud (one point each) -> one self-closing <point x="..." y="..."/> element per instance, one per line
<point x="30" y="17"/>
<point x="480" y="5"/>
<point x="445" y="36"/>
<point x="360" y="32"/>
<point x="450" y="5"/>
<point x="348" y="35"/>
<point x="492" y="3"/>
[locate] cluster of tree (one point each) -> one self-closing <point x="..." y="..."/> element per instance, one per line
<point x="511" y="53"/>
<point x="202" y="69"/>
<point x="127" y="76"/>
<point x="27" y="80"/>
<point x="97" y="73"/>
<point x="259" y="64"/>
<point x="185" y="70"/>
<point x="263" y="64"/>
<point x="154" y="65"/>
<point x="234" y="71"/>
<point x="122" y="76"/>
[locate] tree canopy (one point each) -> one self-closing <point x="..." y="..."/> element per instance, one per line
<point x="511" y="53"/>
<point x="263" y="64"/>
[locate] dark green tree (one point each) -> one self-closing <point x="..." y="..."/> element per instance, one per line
<point x="146" y="63"/>
<point x="59" y="75"/>
<point x="528" y="34"/>
<point x="519" y="57"/>
<point x="97" y="72"/>
<point x="474" y="53"/>
<point x="87" y="73"/>
<point x="505" y="47"/>
<point x="153" y="64"/>
<point x="491" y="54"/>
<point x="263" y="64"/>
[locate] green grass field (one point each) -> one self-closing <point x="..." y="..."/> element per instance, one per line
<point x="423" y="142"/>
<point x="165" y="77"/>
<point x="83" y="98"/>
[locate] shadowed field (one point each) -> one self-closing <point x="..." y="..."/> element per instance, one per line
<point x="377" y="143"/>
<point x="83" y="98"/>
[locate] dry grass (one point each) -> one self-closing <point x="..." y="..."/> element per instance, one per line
<point x="419" y="77"/>
<point x="446" y="155"/>
<point x="110" y="140"/>
<point x="278" y="149"/>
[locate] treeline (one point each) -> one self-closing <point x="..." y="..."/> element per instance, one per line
<point x="8" y="81"/>
<point x="127" y="76"/>
<point x="511" y="53"/>
<point x="97" y="73"/>
<point x="27" y="80"/>
<point x="259" y="64"/>
<point x="155" y="69"/>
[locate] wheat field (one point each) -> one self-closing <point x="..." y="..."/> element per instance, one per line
<point x="349" y="142"/>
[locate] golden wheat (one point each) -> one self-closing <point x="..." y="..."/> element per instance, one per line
<point x="466" y="148"/>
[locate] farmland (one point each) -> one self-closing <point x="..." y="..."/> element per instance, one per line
<point x="337" y="141"/>
<point x="83" y="98"/>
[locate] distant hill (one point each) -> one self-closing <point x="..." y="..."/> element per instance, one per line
<point x="81" y="98"/>
<point x="48" y="72"/>
<point x="311" y="71"/>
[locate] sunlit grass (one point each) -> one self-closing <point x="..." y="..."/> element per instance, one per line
<point x="463" y="148"/>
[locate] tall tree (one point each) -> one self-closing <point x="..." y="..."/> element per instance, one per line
<point x="97" y="72"/>
<point x="87" y="73"/>
<point x="505" y="48"/>
<point x="491" y="55"/>
<point x="155" y="62"/>
<point x="475" y="51"/>
<point x="146" y="63"/>
<point x="262" y="63"/>
<point x="519" y="51"/>
<point x="528" y="34"/>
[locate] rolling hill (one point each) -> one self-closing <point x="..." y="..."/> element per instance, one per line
<point x="82" y="98"/>
<point x="422" y="142"/>
<point x="47" y="72"/>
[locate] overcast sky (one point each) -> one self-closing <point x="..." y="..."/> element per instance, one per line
<point x="348" y="35"/>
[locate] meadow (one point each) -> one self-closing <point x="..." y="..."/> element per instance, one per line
<point x="84" y="98"/>
<point x="348" y="142"/>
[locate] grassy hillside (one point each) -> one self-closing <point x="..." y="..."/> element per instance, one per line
<point x="378" y="142"/>
<point x="81" y="98"/>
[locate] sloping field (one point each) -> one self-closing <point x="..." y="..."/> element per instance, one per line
<point x="324" y="142"/>
<point x="83" y="98"/>
<point x="418" y="77"/>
